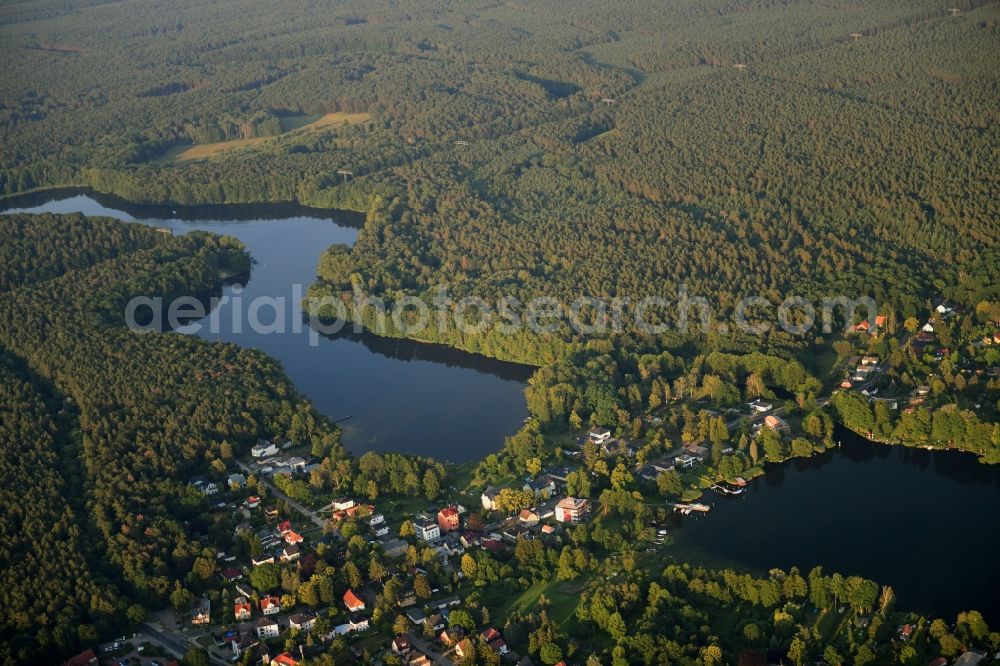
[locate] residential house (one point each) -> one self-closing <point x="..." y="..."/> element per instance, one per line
<point x="352" y="602"/>
<point x="302" y="621"/>
<point x="264" y="448"/>
<point x="489" y="497"/>
<point x="572" y="510"/>
<point x="447" y="602"/>
<point x="527" y="517"/>
<point x="285" y="659"/>
<point x="291" y="553"/>
<point x="85" y="658"/>
<point x="202" y="613"/>
<point x="447" y="519"/>
<point x="406" y="599"/>
<point x="869" y="360"/>
<point x="865" y="325"/>
<point x="395" y="547"/>
<point x="776" y="423"/>
<point x="427" y="530"/>
<point x="246" y="639"/>
<point x="342" y="504"/>
<point x="543" y="486"/>
<point x="452" y="635"/>
<point x="284" y="527"/>
<point x="296" y="464"/>
<point x="237" y="481"/>
<point x="231" y="574"/>
<point x="493" y="638"/>
<point x="415" y="658"/>
<point x="266" y="628"/>
<point x="685" y="461"/>
<point x="292" y="537"/>
<point x="760" y="406"/>
<point x="380" y="530"/>
<point x="252" y="502"/>
<point x="270" y="605"/>
<point x="401" y="644"/>
<point x="350" y="627"/>
<point x="464" y="648"/>
<point x="376" y="519"/>
<point x="416" y="616"/>
<point x="265" y="558"/>
<point x="599" y="434"/>
<point x="242" y="608"/>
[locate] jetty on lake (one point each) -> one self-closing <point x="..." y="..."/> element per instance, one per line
<point x="688" y="509"/>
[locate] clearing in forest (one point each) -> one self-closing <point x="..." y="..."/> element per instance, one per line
<point x="289" y="124"/>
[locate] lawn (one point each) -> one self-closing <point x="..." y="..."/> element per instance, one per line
<point x="563" y="596"/>
<point x="289" y="124"/>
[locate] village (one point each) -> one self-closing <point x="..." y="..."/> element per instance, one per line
<point x="389" y="579"/>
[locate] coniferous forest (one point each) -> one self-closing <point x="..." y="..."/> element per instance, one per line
<point x="712" y="149"/>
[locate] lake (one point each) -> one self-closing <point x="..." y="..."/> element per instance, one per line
<point x="921" y="521"/>
<point x="399" y="395"/>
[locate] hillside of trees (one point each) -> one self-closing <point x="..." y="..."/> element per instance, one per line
<point x="103" y="478"/>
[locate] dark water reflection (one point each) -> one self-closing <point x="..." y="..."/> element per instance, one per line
<point x="399" y="395"/>
<point x="921" y="521"/>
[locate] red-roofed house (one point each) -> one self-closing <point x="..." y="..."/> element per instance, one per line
<point x="292" y="537"/>
<point x="242" y="609"/>
<point x="285" y="526"/>
<point x="231" y="574"/>
<point x="465" y="648"/>
<point x="85" y="658"/>
<point x="270" y="605"/>
<point x="448" y="519"/>
<point x="285" y="659"/>
<point x="353" y="603"/>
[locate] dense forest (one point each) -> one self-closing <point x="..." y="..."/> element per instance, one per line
<point x="141" y="414"/>
<point x="718" y="149"/>
<point x="519" y="153"/>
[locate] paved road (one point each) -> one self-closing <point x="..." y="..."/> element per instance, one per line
<point x="177" y="643"/>
<point x="317" y="519"/>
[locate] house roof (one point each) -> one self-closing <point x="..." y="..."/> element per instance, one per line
<point x="285" y="659"/>
<point x="85" y="658"/>
<point x="351" y="600"/>
<point x="448" y="512"/>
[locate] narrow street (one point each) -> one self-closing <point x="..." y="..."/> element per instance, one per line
<point x="306" y="512"/>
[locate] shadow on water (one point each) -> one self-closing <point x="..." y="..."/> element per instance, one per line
<point x="918" y="520"/>
<point x="399" y="395"/>
<point x="407" y="350"/>
<point x="239" y="212"/>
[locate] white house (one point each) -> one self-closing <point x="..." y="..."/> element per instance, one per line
<point x="572" y="510"/>
<point x="264" y="448"/>
<point x="489" y="497"/>
<point x="270" y="605"/>
<point x="296" y="464"/>
<point x="376" y="519"/>
<point x="427" y="530"/>
<point x="302" y="621"/>
<point x="599" y="434"/>
<point x="760" y="406"/>
<point x="350" y="627"/>
<point x="266" y="628"/>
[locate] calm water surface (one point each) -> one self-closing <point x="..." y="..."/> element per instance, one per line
<point x="399" y="395"/>
<point x="924" y="522"/>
